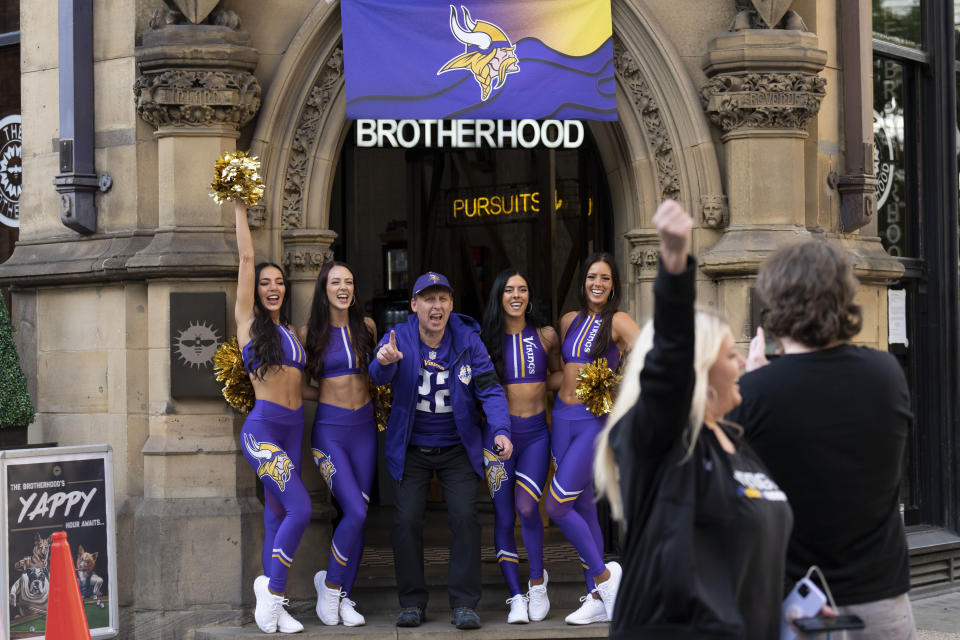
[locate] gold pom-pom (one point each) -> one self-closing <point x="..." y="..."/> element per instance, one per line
<point x="228" y="368"/>
<point x="597" y="387"/>
<point x="236" y="176"/>
<point x="382" y="396"/>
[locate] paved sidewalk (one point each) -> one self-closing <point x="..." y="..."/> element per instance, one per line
<point x="938" y="618"/>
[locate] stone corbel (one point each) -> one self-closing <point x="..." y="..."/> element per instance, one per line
<point x="858" y="199"/>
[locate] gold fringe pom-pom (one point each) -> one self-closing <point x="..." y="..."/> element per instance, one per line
<point x="236" y="176"/>
<point x="597" y="387"/>
<point x="382" y="396"/>
<point x="228" y="368"/>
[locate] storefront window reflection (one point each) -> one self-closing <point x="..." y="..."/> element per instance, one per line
<point x="898" y="21"/>
<point x="888" y="155"/>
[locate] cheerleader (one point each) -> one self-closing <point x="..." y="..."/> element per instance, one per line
<point x="524" y="350"/>
<point x="596" y="330"/>
<point x="339" y="341"/>
<point x="273" y="431"/>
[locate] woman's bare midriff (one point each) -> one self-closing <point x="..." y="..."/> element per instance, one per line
<point x="568" y="387"/>
<point x="526" y="399"/>
<point x="280" y="387"/>
<point x="347" y="392"/>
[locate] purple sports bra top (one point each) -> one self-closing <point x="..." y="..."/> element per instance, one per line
<point x="292" y="354"/>
<point x="339" y="358"/>
<point x="524" y="359"/>
<point x="580" y="337"/>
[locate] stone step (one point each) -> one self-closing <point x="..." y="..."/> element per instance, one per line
<point x="381" y="627"/>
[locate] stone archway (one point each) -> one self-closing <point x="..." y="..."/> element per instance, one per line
<point x="660" y="148"/>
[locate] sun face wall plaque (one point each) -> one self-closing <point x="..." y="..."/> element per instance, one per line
<point x="197" y="327"/>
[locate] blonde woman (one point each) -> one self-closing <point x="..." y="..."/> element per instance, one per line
<point x="706" y="528"/>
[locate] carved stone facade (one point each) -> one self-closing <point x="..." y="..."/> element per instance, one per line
<point x="308" y="129"/>
<point x="642" y="99"/>
<point x="197" y="98"/>
<point x="763" y="100"/>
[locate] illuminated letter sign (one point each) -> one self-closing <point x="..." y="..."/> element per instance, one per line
<point x="470" y="134"/>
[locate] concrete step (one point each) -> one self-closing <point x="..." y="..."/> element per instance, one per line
<point x="381" y="627"/>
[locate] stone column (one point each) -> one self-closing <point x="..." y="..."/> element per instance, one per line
<point x="763" y="89"/>
<point x="199" y="529"/>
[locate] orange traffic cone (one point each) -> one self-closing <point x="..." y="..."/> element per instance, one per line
<point x="66" y="619"/>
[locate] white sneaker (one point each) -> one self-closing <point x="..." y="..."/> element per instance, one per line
<point x="349" y="615"/>
<point x="592" y="610"/>
<point x="328" y="600"/>
<point x="539" y="602"/>
<point x="286" y="623"/>
<point x="266" y="614"/>
<point x="518" y="610"/>
<point x="608" y="589"/>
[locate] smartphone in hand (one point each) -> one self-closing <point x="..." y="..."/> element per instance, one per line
<point x="821" y="624"/>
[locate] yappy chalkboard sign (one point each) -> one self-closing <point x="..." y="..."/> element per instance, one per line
<point x="61" y="489"/>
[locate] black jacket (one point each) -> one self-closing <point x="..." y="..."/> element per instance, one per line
<point x="694" y="565"/>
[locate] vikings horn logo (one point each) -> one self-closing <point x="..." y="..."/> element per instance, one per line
<point x="274" y="461"/>
<point x="489" y="54"/>
<point x="496" y="474"/>
<point x="325" y="464"/>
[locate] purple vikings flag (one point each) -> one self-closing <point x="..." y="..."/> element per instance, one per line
<point x="491" y="59"/>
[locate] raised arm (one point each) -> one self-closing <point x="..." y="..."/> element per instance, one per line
<point x="246" y="287"/>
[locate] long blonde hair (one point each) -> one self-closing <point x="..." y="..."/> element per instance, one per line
<point x="709" y="331"/>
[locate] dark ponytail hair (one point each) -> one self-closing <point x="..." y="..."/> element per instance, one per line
<point x="494" y="324"/>
<point x="318" y="327"/>
<point x="263" y="334"/>
<point x="602" y="343"/>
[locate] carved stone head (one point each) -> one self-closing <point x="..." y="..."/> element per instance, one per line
<point x="714" y="209"/>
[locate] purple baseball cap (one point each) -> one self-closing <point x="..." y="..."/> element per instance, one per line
<point x="430" y="279"/>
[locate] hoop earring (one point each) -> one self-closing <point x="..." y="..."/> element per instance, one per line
<point x="712" y="394"/>
<point x="353" y="302"/>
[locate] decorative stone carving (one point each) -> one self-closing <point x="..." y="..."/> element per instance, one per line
<point x="767" y="14"/>
<point x="196" y="11"/>
<point x="324" y="88"/>
<point x="662" y="149"/>
<point x="256" y="216"/>
<point x="206" y="98"/>
<point x="763" y="100"/>
<point x="715" y="211"/>
<point x="305" y="260"/>
<point x="644" y="252"/>
<point x="196" y="75"/>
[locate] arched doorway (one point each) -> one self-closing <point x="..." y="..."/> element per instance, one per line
<point x="661" y="146"/>
<point x="468" y="213"/>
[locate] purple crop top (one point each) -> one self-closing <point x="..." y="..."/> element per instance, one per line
<point x="292" y="354"/>
<point x="339" y="358"/>
<point x="579" y="340"/>
<point x="524" y="359"/>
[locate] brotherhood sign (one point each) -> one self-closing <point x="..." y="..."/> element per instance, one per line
<point x="484" y="59"/>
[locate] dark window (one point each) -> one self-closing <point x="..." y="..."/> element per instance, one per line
<point x="899" y="21"/>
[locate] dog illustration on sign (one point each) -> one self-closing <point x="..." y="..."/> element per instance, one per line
<point x="29" y="593"/>
<point x="91" y="584"/>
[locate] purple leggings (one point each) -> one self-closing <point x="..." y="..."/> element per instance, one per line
<point x="344" y="445"/>
<point x="569" y="501"/>
<point x="271" y="440"/>
<point x="517" y="485"/>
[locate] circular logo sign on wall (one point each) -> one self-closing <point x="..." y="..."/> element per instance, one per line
<point x="883" y="159"/>
<point x="11" y="169"/>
